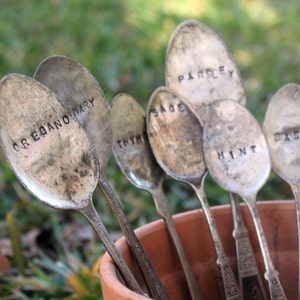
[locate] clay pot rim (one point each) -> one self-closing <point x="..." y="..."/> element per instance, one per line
<point x="108" y="273"/>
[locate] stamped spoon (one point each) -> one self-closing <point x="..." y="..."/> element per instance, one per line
<point x="75" y="86"/>
<point x="135" y="158"/>
<point x="211" y="74"/>
<point x="237" y="157"/>
<point x="282" y="129"/>
<point x="200" y="68"/>
<point x="51" y="154"/>
<point x="175" y="136"/>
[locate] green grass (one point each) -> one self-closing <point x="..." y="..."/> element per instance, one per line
<point x="123" y="44"/>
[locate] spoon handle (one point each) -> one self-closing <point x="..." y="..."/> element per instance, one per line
<point x="231" y="287"/>
<point x="271" y="275"/>
<point x="249" y="278"/>
<point x="154" y="284"/>
<point x="90" y="213"/>
<point x="296" y="192"/>
<point x="164" y="211"/>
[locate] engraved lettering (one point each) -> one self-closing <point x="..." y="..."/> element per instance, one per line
<point x="162" y="109"/>
<point x="172" y="108"/>
<point x="41" y="131"/>
<point x="81" y="110"/>
<point x="236" y="153"/>
<point x="253" y="148"/>
<point x="154" y="112"/>
<point x="132" y="139"/>
<point x="221" y="155"/>
<point x="190" y="76"/>
<point x="50" y="127"/>
<point x="25" y="143"/>
<point x="16" y="147"/>
<point x="180" y="78"/>
<point x="66" y="120"/>
<point x="139" y="139"/>
<point x="287" y="137"/>
<point x="209" y="73"/>
<point x="92" y="101"/>
<point x="181" y="107"/>
<point x="35" y="136"/>
<point x="243" y="151"/>
<point x="120" y="143"/>
<point x="86" y="104"/>
<point x="277" y="137"/>
<point x="57" y="124"/>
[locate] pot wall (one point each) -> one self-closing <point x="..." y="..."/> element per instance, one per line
<point x="279" y="223"/>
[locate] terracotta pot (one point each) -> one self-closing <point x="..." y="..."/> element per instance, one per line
<point x="279" y="222"/>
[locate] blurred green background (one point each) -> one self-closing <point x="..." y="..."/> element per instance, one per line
<point x="123" y="44"/>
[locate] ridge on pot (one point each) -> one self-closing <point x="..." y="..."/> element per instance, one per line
<point x="279" y="222"/>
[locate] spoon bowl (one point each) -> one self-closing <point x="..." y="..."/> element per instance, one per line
<point x="51" y="154"/>
<point x="200" y="68"/>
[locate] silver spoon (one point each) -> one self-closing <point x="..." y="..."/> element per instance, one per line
<point x="211" y="74"/>
<point x="51" y="154"/>
<point x="80" y="92"/>
<point x="281" y="127"/>
<point x="135" y="158"/>
<point x="175" y="136"/>
<point x="237" y="157"/>
<point x="200" y="68"/>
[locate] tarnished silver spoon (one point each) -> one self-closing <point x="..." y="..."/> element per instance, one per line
<point x="211" y="74"/>
<point x="200" y="68"/>
<point x="135" y="158"/>
<point x="51" y="155"/>
<point x="282" y="129"/>
<point x="175" y="135"/>
<point x="76" y="88"/>
<point x="237" y="157"/>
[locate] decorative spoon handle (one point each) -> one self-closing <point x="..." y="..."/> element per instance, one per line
<point x="249" y="278"/>
<point x="271" y="275"/>
<point x="232" y="290"/>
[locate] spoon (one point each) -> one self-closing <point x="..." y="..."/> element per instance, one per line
<point x="175" y="136"/>
<point x="135" y="158"/>
<point x="237" y="157"/>
<point x="194" y="47"/>
<point x="200" y="68"/>
<point x="51" y="154"/>
<point x="281" y="127"/>
<point x="76" y="88"/>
